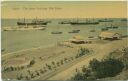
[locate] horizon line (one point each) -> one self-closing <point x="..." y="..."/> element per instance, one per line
<point x="64" y="18"/>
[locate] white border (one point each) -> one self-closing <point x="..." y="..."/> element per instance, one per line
<point x="63" y="0"/>
<point x="47" y="0"/>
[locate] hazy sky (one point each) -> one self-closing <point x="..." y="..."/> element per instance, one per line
<point x="81" y="9"/>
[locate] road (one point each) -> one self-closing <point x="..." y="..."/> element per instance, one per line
<point x="100" y="52"/>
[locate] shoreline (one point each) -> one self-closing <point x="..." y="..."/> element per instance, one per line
<point x="36" y="53"/>
<point x="23" y="50"/>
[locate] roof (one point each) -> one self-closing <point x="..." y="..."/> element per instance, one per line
<point x="108" y="34"/>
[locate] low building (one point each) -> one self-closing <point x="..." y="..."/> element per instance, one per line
<point x="109" y="36"/>
<point x="79" y="40"/>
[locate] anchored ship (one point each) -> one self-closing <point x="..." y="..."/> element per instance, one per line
<point x="65" y="22"/>
<point x="74" y="31"/>
<point x="34" y="22"/>
<point x="86" y="22"/>
<point x="56" y="32"/>
<point x="105" y="20"/>
<point x="124" y="19"/>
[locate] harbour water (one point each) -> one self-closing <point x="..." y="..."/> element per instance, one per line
<point x="18" y="40"/>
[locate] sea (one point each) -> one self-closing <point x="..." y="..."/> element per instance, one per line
<point x="13" y="41"/>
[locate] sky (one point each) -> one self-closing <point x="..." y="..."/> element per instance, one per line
<point x="63" y="9"/>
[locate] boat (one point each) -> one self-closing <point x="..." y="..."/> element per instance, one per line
<point x="109" y="27"/>
<point x="64" y="22"/>
<point x="112" y="27"/>
<point x="105" y="20"/>
<point x="56" y="32"/>
<point x="34" y="22"/>
<point x="86" y="22"/>
<point x="74" y="31"/>
<point x="92" y="30"/>
<point x="104" y="29"/>
<point x="91" y="37"/>
<point x="23" y="28"/>
<point x="115" y="27"/>
<point x="124" y="19"/>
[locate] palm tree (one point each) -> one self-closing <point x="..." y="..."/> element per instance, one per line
<point x="65" y="59"/>
<point x="41" y="71"/>
<point x="37" y="73"/>
<point x="49" y="67"/>
<point x="58" y="64"/>
<point x="53" y="63"/>
<point x="62" y="62"/>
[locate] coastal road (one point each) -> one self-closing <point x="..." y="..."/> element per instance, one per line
<point x="100" y="52"/>
<point x="63" y="67"/>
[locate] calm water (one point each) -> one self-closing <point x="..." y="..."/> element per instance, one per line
<point x="18" y="40"/>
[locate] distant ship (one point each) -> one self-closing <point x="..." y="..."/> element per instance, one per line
<point x="109" y="27"/>
<point x="64" y="22"/>
<point x="124" y="19"/>
<point x="105" y="20"/>
<point x="34" y="22"/>
<point x="86" y="22"/>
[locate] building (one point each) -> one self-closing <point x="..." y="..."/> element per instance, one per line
<point x="109" y="36"/>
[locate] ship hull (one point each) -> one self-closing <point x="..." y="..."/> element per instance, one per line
<point x="84" y="23"/>
<point x="19" y="23"/>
